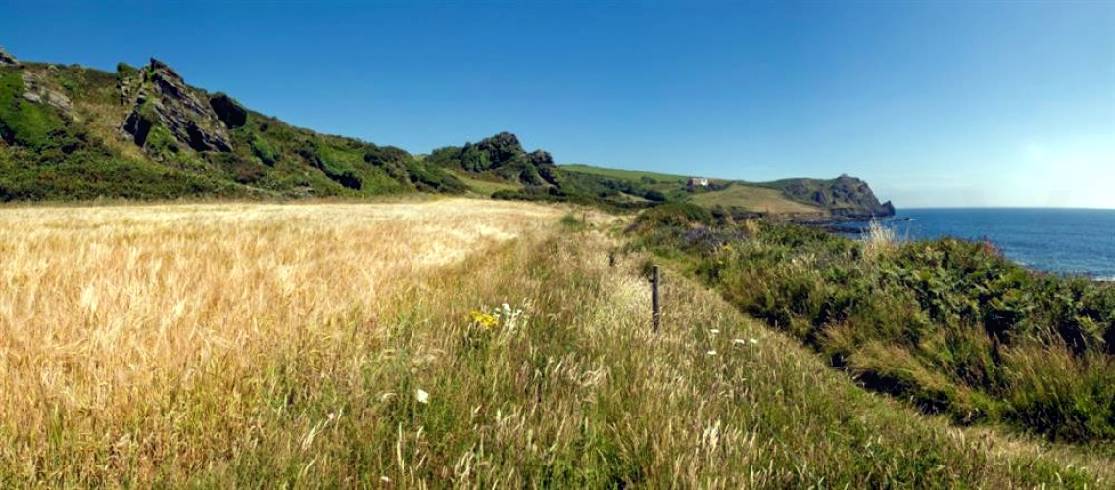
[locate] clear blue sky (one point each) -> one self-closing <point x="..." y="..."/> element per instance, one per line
<point x="935" y="104"/>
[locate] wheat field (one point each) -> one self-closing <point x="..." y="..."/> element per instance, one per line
<point x="106" y="312"/>
<point x="448" y="343"/>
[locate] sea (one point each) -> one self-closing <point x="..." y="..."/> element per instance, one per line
<point x="1065" y="241"/>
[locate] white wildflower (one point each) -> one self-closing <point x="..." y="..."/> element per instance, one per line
<point x="711" y="353"/>
<point x="714" y="331"/>
<point x="421" y="396"/>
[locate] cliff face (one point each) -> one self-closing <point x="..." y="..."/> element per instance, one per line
<point x="843" y="197"/>
<point x="159" y="96"/>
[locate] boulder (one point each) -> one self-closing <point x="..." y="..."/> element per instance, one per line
<point x="228" y="111"/>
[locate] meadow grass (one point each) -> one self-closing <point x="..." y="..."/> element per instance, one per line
<point x="484" y="187"/>
<point x="631" y="175"/>
<point x="449" y="343"/>
<point x="756" y="199"/>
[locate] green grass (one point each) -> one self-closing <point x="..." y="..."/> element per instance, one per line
<point x="269" y="158"/>
<point x="485" y="187"/>
<point x="629" y="175"/>
<point x="22" y="122"/>
<point x="755" y="199"/>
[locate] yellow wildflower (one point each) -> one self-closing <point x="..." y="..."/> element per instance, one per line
<point x="487" y="321"/>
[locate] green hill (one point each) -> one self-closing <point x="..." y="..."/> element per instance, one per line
<point x="757" y="199"/>
<point x="842" y="197"/>
<point x="68" y="132"/>
<point x="632" y="175"/>
<point x="73" y="133"/>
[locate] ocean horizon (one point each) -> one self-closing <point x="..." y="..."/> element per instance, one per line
<point x="1070" y="241"/>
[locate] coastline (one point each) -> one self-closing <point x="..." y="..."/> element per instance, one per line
<point x="1060" y="241"/>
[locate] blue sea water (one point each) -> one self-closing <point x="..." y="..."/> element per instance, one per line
<point x="1075" y="241"/>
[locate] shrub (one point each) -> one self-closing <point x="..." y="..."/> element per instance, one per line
<point x="675" y="214"/>
<point x="263" y="150"/>
<point x="949" y="324"/>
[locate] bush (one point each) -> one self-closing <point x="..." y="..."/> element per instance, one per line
<point x="264" y="151"/>
<point x="949" y="324"/>
<point x="675" y="214"/>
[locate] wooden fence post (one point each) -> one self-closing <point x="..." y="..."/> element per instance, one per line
<point x="656" y="313"/>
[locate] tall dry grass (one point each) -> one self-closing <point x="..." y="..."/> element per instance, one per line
<point x="108" y="313"/>
<point x="878" y="240"/>
<point x="364" y="363"/>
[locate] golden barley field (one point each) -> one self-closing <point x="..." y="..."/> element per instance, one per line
<point x="105" y="311"/>
<point x="425" y="344"/>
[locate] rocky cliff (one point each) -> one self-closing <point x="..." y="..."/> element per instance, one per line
<point x="158" y="96"/>
<point x="843" y="197"/>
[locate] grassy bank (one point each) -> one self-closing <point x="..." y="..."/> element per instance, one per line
<point x="216" y="346"/>
<point x="950" y="325"/>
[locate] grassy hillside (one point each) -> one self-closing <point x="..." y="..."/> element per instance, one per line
<point x="412" y="372"/>
<point x="949" y="325"/>
<point x="757" y="199"/>
<point x="485" y="186"/>
<point x="71" y="133"/>
<point x="805" y="198"/>
<point x="631" y="175"/>
<point x="499" y="166"/>
<point x="842" y="196"/>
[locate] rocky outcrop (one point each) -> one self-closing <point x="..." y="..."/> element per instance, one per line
<point x="159" y="97"/>
<point x="843" y="197"/>
<point x="7" y="59"/>
<point x="502" y="148"/>
<point x="541" y="157"/>
<point x="501" y="155"/>
<point x="36" y="90"/>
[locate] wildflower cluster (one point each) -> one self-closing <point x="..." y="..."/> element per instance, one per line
<point x="503" y="318"/>
<point x="486" y="321"/>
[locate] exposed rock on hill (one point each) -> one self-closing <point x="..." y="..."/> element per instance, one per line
<point x="160" y="97"/>
<point x="500" y="156"/>
<point x="844" y="196"/>
<point x="68" y="132"/>
<point x="7" y="59"/>
<point x="38" y="90"/>
<point x="228" y="111"/>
